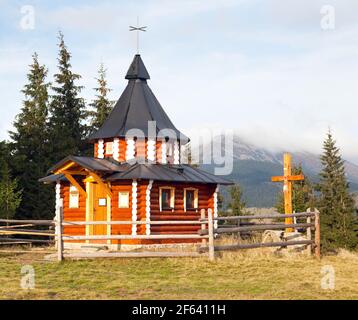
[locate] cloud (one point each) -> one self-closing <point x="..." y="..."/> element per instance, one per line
<point x="105" y="15"/>
<point x="267" y="70"/>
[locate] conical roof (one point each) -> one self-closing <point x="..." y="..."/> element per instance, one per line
<point x="136" y="106"/>
<point x="137" y="69"/>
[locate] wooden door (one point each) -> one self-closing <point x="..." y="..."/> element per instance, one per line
<point x="99" y="209"/>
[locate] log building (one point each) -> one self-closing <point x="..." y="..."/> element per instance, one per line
<point x="135" y="174"/>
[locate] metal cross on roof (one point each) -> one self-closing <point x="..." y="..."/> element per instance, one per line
<point x="137" y="28"/>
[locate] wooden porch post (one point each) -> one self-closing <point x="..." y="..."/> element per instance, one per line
<point x="59" y="234"/>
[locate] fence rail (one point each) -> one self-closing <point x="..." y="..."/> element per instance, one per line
<point x="258" y="245"/>
<point x="264" y="216"/>
<point x="34" y="222"/>
<point x="171" y="222"/>
<point x="207" y="233"/>
<point x="135" y="237"/>
<point x="260" y="228"/>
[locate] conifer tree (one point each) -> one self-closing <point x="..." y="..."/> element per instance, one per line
<point x="302" y="194"/>
<point x="236" y="203"/>
<point x="336" y="204"/>
<point x="29" y="146"/>
<point x="67" y="109"/>
<point x="101" y="105"/>
<point x="10" y="195"/>
<point x="220" y="202"/>
<point x="4" y="155"/>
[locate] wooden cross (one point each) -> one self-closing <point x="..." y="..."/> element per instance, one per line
<point x="287" y="179"/>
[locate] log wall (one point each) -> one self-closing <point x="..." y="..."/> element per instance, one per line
<point x="141" y="150"/>
<point x="123" y="214"/>
<point x="73" y="214"/>
<point x="122" y="149"/>
<point x="205" y="201"/>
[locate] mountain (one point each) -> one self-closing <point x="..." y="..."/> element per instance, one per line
<point x="253" y="167"/>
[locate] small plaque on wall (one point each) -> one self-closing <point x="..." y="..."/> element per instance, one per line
<point x="102" y="202"/>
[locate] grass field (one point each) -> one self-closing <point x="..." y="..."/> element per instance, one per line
<point x="250" y="275"/>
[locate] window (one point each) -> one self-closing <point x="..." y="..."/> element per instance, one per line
<point x="74" y="197"/>
<point x="190" y="199"/>
<point x="109" y="147"/>
<point x="166" y="198"/>
<point x="102" y="202"/>
<point x="123" y="199"/>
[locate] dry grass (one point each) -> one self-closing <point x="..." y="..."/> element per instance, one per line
<point x="254" y="274"/>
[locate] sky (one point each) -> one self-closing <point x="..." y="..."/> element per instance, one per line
<point x="280" y="73"/>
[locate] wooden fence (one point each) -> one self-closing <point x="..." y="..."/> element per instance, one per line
<point x="207" y="234"/>
<point x="25" y="232"/>
<point x="61" y="237"/>
<point x="308" y="225"/>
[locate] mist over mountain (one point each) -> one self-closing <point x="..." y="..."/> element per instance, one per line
<point x="254" y="166"/>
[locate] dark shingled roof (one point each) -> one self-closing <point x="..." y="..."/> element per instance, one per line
<point x="136" y="106"/>
<point x="90" y="163"/>
<point x="53" y="178"/>
<point x="137" y="69"/>
<point x="173" y="173"/>
<point x="114" y="171"/>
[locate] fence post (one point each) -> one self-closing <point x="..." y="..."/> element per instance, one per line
<point x="211" y="235"/>
<point x="309" y="234"/>
<point x="59" y="234"/>
<point x="238" y="225"/>
<point x="203" y="225"/>
<point x="317" y="234"/>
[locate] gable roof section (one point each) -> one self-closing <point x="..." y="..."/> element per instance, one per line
<point x="135" y="108"/>
<point x="94" y="164"/>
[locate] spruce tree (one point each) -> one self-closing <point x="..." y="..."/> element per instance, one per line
<point x="236" y="203"/>
<point x="336" y="204"/>
<point x="5" y="155"/>
<point x="30" y="145"/>
<point x="67" y="109"/>
<point x="10" y="195"/>
<point x="101" y="105"/>
<point x="302" y="194"/>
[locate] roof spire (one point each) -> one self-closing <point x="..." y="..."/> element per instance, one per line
<point x="137" y="28"/>
<point x="137" y="69"/>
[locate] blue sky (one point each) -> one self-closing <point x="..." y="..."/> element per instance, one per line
<point x="264" y="68"/>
